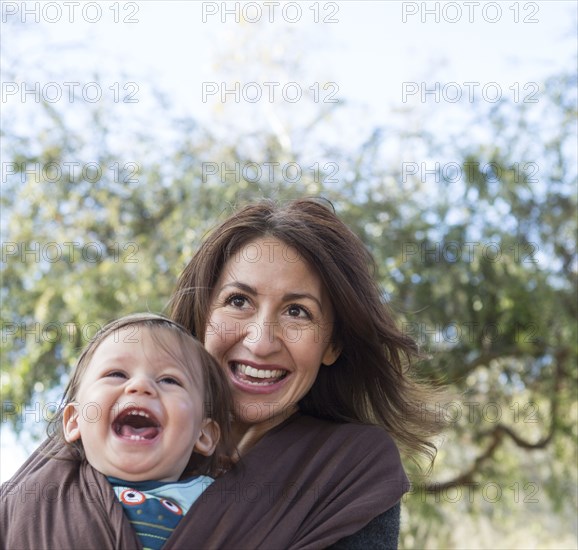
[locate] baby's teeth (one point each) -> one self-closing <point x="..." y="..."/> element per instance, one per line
<point x="139" y="413"/>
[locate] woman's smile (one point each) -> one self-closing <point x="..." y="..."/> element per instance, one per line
<point x="254" y="378"/>
<point x="270" y="327"/>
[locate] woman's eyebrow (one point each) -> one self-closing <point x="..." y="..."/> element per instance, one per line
<point x="300" y="295"/>
<point x="241" y="286"/>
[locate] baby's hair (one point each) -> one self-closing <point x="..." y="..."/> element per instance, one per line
<point x="190" y="353"/>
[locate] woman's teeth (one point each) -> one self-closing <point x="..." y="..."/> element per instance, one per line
<point x="268" y="376"/>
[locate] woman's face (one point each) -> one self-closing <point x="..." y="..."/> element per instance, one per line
<point x="270" y="328"/>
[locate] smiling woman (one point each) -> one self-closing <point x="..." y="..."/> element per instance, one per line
<point x="270" y="324"/>
<point x="285" y="298"/>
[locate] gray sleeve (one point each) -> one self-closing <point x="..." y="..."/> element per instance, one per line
<point x="381" y="533"/>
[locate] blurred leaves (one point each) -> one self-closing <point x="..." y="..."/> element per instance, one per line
<point x="475" y="251"/>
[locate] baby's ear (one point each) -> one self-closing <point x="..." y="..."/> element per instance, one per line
<point x="208" y="438"/>
<point x="70" y="425"/>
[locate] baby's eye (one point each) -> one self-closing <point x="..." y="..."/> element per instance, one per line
<point x="170" y="380"/>
<point x="115" y="374"/>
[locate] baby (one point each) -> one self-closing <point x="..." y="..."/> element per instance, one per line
<point x="149" y="408"/>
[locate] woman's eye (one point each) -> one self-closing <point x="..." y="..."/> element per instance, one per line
<point x="298" y="311"/>
<point x="237" y="300"/>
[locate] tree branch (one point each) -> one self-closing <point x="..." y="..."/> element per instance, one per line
<point x="501" y="432"/>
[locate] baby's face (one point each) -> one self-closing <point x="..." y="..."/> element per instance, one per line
<point x="138" y="411"/>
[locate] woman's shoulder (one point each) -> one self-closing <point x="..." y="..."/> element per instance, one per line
<point x="304" y="437"/>
<point x="316" y="480"/>
<point x="315" y="427"/>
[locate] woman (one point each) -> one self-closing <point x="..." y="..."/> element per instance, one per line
<point x="284" y="297"/>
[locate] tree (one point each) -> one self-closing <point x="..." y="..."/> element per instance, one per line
<point x="477" y="258"/>
<point x="483" y="273"/>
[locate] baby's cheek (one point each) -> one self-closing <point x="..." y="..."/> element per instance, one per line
<point x="187" y="410"/>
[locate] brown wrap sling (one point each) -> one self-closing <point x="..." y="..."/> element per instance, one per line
<point x="306" y="484"/>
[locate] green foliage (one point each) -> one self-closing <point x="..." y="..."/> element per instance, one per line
<point x="480" y="269"/>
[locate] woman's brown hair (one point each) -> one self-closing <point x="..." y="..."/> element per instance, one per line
<point x="190" y="353"/>
<point x="372" y="381"/>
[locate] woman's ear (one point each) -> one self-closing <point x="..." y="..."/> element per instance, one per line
<point x="70" y="425"/>
<point x="208" y="438"/>
<point x="331" y="354"/>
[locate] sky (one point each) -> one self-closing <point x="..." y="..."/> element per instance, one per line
<point x="373" y="57"/>
<point x="378" y="55"/>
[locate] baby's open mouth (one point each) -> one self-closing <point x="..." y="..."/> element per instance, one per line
<point x="136" y="424"/>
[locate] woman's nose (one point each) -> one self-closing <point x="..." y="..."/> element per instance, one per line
<point x="262" y="337"/>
